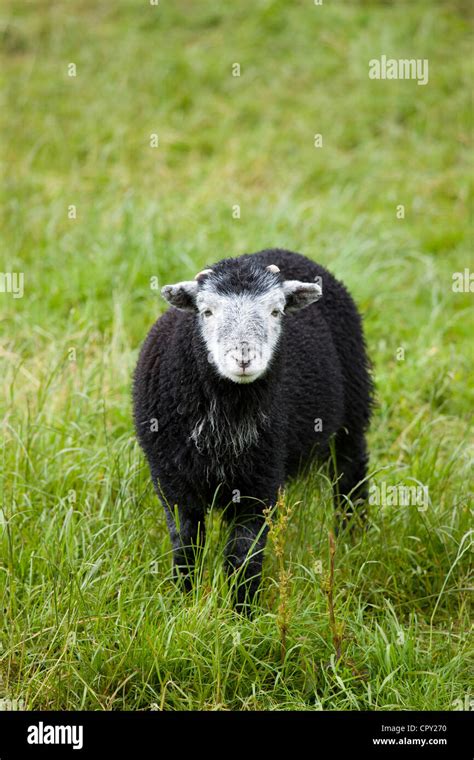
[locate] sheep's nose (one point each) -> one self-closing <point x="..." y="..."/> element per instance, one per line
<point x="243" y="355"/>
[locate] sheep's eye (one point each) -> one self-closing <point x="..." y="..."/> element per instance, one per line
<point x="207" y="313"/>
<point x="276" y="313"/>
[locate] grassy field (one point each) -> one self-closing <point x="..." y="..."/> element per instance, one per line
<point x="92" y="212"/>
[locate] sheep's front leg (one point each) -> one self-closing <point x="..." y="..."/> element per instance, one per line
<point x="244" y="556"/>
<point x="187" y="533"/>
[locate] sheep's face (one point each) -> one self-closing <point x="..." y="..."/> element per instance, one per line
<point x="241" y="320"/>
<point x="241" y="331"/>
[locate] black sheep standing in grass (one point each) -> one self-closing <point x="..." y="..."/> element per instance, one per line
<point x="256" y="369"/>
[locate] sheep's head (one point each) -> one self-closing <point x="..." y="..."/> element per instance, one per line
<point x="240" y="306"/>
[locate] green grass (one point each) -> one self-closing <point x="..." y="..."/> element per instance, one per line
<point x="91" y="618"/>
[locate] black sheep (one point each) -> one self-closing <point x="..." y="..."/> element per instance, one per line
<point x="260" y="367"/>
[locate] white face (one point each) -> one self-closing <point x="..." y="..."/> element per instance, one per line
<point x="241" y="331"/>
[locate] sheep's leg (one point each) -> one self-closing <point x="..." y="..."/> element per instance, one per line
<point x="350" y="471"/>
<point x="187" y="533"/>
<point x="244" y="555"/>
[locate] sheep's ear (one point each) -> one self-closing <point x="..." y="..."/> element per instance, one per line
<point x="182" y="295"/>
<point x="300" y="294"/>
